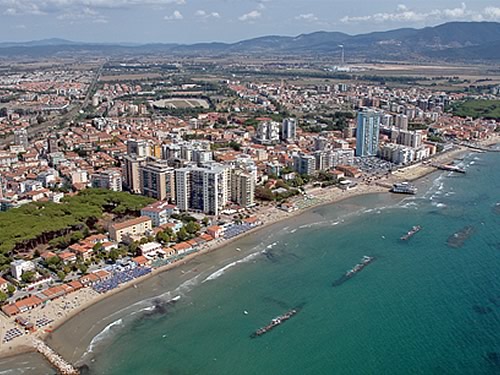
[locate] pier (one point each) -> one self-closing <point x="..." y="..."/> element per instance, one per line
<point x="479" y="148"/>
<point x="63" y="367"/>
<point x="447" y="167"/>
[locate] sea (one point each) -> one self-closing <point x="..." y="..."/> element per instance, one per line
<point x="428" y="305"/>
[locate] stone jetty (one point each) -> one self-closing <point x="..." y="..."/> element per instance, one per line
<point x="63" y="367"/>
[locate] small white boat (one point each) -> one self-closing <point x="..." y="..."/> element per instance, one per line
<point x="245" y="312"/>
<point x="238" y="249"/>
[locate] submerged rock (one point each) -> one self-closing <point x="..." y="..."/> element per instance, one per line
<point x="457" y="240"/>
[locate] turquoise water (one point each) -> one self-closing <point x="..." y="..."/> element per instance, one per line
<point x="420" y="308"/>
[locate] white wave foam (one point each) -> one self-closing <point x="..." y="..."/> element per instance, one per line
<point x="438" y="204"/>
<point x="272" y="245"/>
<point x="105" y="333"/>
<point x="222" y="270"/>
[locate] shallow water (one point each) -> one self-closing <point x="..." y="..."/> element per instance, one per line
<point x="422" y="307"/>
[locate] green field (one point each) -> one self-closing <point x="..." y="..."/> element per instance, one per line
<point x="489" y="109"/>
<point x="37" y="221"/>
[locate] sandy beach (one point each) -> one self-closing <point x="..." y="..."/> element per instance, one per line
<point x="76" y="319"/>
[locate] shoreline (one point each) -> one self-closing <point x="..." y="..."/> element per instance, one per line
<point x="270" y="217"/>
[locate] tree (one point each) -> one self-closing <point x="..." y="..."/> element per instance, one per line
<point x="83" y="268"/>
<point x="28" y="276"/>
<point x="3" y="297"/>
<point x="61" y="275"/>
<point x="182" y="234"/>
<point x="205" y="221"/>
<point x="11" y="289"/>
<point x="192" y="227"/>
<point x="113" y="255"/>
<point x="163" y="237"/>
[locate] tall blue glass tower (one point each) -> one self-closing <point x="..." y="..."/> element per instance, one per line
<point x="367" y="133"/>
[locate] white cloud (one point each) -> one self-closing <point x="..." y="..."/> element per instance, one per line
<point x="310" y="17"/>
<point x="174" y="16"/>
<point x="405" y="14"/>
<point x="205" y="15"/>
<point x="251" y="16"/>
<point x="43" y="7"/>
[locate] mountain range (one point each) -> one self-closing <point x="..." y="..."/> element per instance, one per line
<point x="453" y="41"/>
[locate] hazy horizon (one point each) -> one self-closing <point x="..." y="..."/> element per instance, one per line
<point x="197" y="21"/>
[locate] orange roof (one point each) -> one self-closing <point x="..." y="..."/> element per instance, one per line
<point x="101" y="274"/>
<point x="206" y="237"/>
<point x="75" y="284"/>
<point x="10" y="309"/>
<point x="3" y="281"/>
<point x="214" y="228"/>
<point x="140" y="259"/>
<point x="129" y="223"/>
<point x="182" y="246"/>
<point x="28" y="302"/>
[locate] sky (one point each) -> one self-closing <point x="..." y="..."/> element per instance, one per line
<point x="191" y="21"/>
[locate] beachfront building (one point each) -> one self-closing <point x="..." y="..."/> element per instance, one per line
<point x="215" y="231"/>
<point x="157" y="180"/>
<point x="367" y="133"/>
<point x="159" y="212"/>
<point x="18" y="267"/>
<point x="134" y="227"/>
<point x="243" y="188"/>
<point x="304" y="164"/>
<point x="203" y="189"/>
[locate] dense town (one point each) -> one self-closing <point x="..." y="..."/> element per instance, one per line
<point x="206" y="160"/>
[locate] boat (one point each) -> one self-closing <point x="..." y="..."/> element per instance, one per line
<point x="411" y="233"/>
<point x="404" y="188"/>
<point x="275" y="322"/>
<point x="365" y="261"/>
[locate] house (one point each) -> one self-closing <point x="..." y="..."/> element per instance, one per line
<point x="3" y="285"/>
<point x="215" y="231"/>
<point x="108" y="246"/>
<point x="150" y="248"/>
<point x="133" y="227"/>
<point x="56" y="292"/>
<point x="89" y="280"/>
<point x="82" y="251"/>
<point x="96" y="238"/>
<point x="252" y="221"/>
<point x="206" y="237"/>
<point x="67" y="257"/>
<point x="75" y="285"/>
<point x="182" y="248"/>
<point x="21" y="306"/>
<point x="103" y="275"/>
<point x="159" y="212"/>
<point x="169" y="252"/>
<point x="18" y="267"/>
<point x="337" y="175"/>
<point x="47" y="255"/>
<point x="141" y="261"/>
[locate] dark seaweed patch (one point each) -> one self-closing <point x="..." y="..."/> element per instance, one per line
<point x="482" y="310"/>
